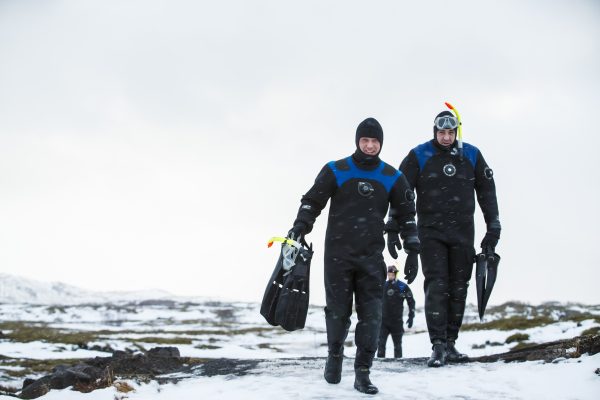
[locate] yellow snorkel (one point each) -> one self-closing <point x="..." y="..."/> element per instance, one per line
<point x="459" y="133"/>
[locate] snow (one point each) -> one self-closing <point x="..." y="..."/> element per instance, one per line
<point x="40" y="350"/>
<point x="197" y="322"/>
<point x="218" y="329"/>
<point x="14" y="289"/>
<point x="570" y="379"/>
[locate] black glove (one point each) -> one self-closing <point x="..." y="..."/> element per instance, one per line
<point x="411" y="267"/>
<point x="412" y="244"/>
<point x="393" y="243"/>
<point x="409" y="323"/>
<point x="297" y="232"/>
<point x="489" y="242"/>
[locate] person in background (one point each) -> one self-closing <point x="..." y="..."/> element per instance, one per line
<point x="395" y="292"/>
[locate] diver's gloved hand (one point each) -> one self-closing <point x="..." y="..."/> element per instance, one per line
<point x="412" y="244"/>
<point x="411" y="267"/>
<point x="393" y="243"/>
<point x="490" y="241"/>
<point x="297" y="232"/>
<point x="409" y="323"/>
<point x="393" y="240"/>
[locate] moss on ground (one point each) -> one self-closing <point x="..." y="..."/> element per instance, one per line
<point x="507" y="324"/>
<point x="269" y="346"/>
<point x="517" y="337"/>
<point x="556" y="310"/>
<point x="7" y="390"/>
<point x="28" y="331"/>
<point x="515" y="315"/>
<point x="207" y="347"/>
<point x="34" y="367"/>
<point x="579" y="317"/>
<point x="24" y="332"/>
<point x="522" y="345"/>
<point x="163" y="340"/>
<point x="595" y="330"/>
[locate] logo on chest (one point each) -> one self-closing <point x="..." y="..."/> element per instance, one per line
<point x="390" y="292"/>
<point x="449" y="170"/>
<point x="365" y="189"/>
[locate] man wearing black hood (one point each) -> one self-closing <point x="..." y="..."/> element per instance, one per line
<point x="445" y="182"/>
<point x="361" y="188"/>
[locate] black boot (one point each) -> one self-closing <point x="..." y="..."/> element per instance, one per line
<point x="381" y="352"/>
<point x="438" y="357"/>
<point x="362" y="383"/>
<point x="398" y="352"/>
<point x="453" y="355"/>
<point x="333" y="368"/>
<point x="337" y="331"/>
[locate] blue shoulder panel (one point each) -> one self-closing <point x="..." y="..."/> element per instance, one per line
<point x="402" y="286"/>
<point x="424" y="152"/>
<point x="470" y="152"/>
<point x="355" y="173"/>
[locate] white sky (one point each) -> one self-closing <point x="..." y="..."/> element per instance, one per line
<point x="148" y="144"/>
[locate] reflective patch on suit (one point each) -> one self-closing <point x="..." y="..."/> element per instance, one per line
<point x="390" y="292"/>
<point x="409" y="195"/>
<point x="365" y="188"/>
<point x="449" y="170"/>
<point x="306" y="207"/>
<point x="488" y="173"/>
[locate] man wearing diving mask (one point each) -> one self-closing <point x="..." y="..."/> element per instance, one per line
<point x="445" y="178"/>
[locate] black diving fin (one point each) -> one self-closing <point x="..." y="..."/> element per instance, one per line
<point x="485" y="277"/>
<point x="272" y="292"/>
<point x="286" y="298"/>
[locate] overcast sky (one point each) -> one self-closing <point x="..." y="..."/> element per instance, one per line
<point x="160" y="144"/>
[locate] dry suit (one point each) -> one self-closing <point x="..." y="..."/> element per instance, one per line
<point x="445" y="184"/>
<point x="361" y="189"/>
<point x="395" y="292"/>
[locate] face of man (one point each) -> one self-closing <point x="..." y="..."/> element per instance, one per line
<point x="369" y="146"/>
<point x="391" y="276"/>
<point x="446" y="137"/>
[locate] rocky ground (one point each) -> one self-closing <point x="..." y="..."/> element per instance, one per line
<point x="165" y="364"/>
<point x="89" y="347"/>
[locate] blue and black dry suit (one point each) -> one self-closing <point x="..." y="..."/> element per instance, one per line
<point x="445" y="185"/>
<point x="361" y="189"/>
<point x="395" y="292"/>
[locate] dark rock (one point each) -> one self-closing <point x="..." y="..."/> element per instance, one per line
<point x="98" y="372"/>
<point x="597" y="371"/>
<point x="568" y="348"/>
<point x="27" y="382"/>
<point x="225" y="314"/>
<point x="66" y="378"/>
<point x="60" y="367"/>
<point x="104" y="379"/>
<point x="36" y="389"/>
<point x="119" y="354"/>
<point x="157" y="302"/>
<point x="163" y="352"/>
<point x="106" y="348"/>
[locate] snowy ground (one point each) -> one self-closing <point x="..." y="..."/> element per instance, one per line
<point x="236" y="330"/>
<point x="573" y="379"/>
